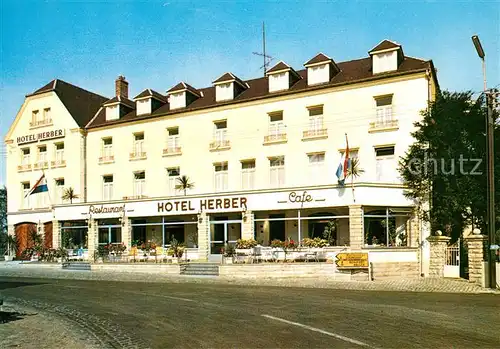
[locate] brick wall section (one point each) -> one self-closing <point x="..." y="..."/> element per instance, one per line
<point x="395" y="270"/>
<point x="476" y="257"/>
<point x="203" y="238"/>
<point x="356" y="226"/>
<point x="247" y="228"/>
<point x="437" y="259"/>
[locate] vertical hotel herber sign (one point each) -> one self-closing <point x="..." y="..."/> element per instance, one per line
<point x="40" y="136"/>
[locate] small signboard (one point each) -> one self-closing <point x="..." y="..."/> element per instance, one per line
<point x="352" y="260"/>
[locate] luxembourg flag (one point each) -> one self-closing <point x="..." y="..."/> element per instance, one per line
<point x="344" y="164"/>
<point x="39" y="187"/>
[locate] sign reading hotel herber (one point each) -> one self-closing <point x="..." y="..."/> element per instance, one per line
<point x="235" y="203"/>
<point x="35" y="137"/>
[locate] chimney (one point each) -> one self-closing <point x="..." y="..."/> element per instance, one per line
<point x="121" y="87"/>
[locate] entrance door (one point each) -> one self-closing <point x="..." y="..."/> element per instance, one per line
<point x="223" y="232"/>
<point x="277" y="228"/>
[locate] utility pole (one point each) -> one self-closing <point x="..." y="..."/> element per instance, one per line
<point x="490" y="153"/>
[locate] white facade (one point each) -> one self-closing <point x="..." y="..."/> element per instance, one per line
<point x="255" y="162"/>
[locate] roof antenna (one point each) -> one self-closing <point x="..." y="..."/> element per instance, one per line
<point x="267" y="59"/>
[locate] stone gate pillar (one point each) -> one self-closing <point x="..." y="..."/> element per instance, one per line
<point x="203" y="238"/>
<point x="437" y="261"/>
<point x="247" y="227"/>
<point x="475" y="243"/>
<point x="356" y="226"/>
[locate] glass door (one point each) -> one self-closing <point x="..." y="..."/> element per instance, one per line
<point x="222" y="233"/>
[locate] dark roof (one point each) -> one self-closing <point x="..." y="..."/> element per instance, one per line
<point x="151" y="93"/>
<point x="319" y="58"/>
<point x="81" y="104"/>
<point x="350" y="72"/>
<point x="280" y="66"/>
<point x="230" y="77"/>
<point x="385" y="45"/>
<point x="181" y="86"/>
<point x="122" y="100"/>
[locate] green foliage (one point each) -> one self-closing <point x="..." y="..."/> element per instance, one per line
<point x="184" y="183"/>
<point x="453" y="128"/>
<point x="3" y="221"/>
<point x="354" y="170"/>
<point x="229" y="251"/>
<point x="330" y="232"/>
<point x="176" y="249"/>
<point x="245" y="244"/>
<point x="69" y="195"/>
<point x="316" y="242"/>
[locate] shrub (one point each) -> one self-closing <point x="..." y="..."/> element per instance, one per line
<point x="245" y="244"/>
<point x="277" y="243"/>
<point x="314" y="243"/>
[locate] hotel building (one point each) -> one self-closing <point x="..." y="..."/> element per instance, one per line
<point x="260" y="155"/>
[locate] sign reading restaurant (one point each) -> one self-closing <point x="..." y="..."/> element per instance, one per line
<point x="41" y="136"/>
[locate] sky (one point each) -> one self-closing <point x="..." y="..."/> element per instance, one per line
<point x="156" y="44"/>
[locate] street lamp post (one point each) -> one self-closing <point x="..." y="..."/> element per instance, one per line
<point x="490" y="170"/>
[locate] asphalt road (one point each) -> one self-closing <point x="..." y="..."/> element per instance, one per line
<point x="128" y="314"/>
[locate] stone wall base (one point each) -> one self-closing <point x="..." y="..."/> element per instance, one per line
<point x="395" y="270"/>
<point x="172" y="269"/>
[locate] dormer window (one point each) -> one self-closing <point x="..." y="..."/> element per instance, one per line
<point x="112" y="112"/>
<point x="281" y="77"/>
<point x="144" y="106"/>
<point x="148" y="101"/>
<point x="182" y="95"/>
<point x="227" y="87"/>
<point x="386" y="57"/>
<point x="320" y="69"/>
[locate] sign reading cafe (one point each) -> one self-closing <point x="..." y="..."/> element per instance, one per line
<point x="41" y="136"/>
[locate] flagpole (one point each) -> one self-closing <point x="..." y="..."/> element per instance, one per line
<point x="48" y="191"/>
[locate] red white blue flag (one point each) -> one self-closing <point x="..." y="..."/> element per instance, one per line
<point x="344" y="164"/>
<point x="39" y="187"/>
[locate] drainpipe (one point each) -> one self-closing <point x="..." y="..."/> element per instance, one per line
<point x="84" y="136"/>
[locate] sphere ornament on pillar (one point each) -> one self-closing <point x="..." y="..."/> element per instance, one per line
<point x="476" y="231"/>
<point x="438" y="233"/>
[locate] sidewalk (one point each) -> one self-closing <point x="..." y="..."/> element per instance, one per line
<point x="407" y="285"/>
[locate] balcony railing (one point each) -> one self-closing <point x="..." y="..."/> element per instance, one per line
<point x="315" y="133"/>
<point x="172" y="151"/>
<point x="138" y="155"/>
<point x="40" y="123"/>
<point x="135" y="197"/>
<point x="58" y="163"/>
<point x="106" y="159"/>
<point x="220" y="144"/>
<point x="25" y="167"/>
<point x="275" y="138"/>
<point x="41" y="165"/>
<point x="386" y="125"/>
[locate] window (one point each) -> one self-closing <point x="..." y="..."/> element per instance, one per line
<point x="25" y="188"/>
<point x="386" y="226"/>
<point x="59" y="190"/>
<point x="59" y="155"/>
<point x="278" y="82"/>
<point x="276" y="125"/>
<point x="173" y="140"/>
<point x="42" y="155"/>
<point x="224" y="91"/>
<point x="107" y="187"/>
<point x="46" y="116"/>
<point x="386" y="167"/>
<point x="25" y="159"/>
<point x="316" y="168"/>
<point x="34" y="117"/>
<point x="248" y="174"/>
<point x="220" y="177"/>
<point x="139" y="184"/>
<point x="316" y="119"/>
<point x="277" y="171"/>
<point x="139" y="145"/>
<point x="220" y="133"/>
<point x="383" y="110"/>
<point x="173" y="174"/>
<point x="107" y="149"/>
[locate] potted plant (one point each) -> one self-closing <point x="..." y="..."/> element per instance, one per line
<point x="229" y="254"/>
<point x="289" y="245"/>
<point x="176" y="250"/>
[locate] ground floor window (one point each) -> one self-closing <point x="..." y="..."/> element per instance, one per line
<point x="109" y="232"/>
<point x="74" y="235"/>
<point x="386" y="227"/>
<point x="163" y="230"/>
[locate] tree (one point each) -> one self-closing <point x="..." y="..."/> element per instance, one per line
<point x="446" y="166"/>
<point x="354" y="171"/>
<point x="184" y="183"/>
<point x="69" y="194"/>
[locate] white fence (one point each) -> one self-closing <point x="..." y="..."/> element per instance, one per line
<point x="452" y="261"/>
